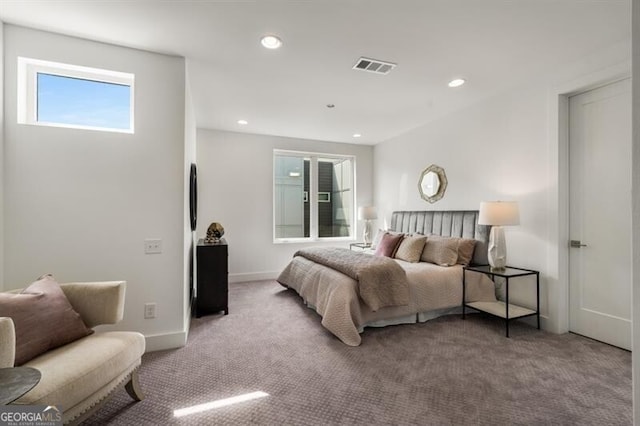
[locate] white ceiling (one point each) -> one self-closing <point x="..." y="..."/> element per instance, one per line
<point x="494" y="44"/>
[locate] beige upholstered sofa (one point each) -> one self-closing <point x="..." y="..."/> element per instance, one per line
<point x="80" y="375"/>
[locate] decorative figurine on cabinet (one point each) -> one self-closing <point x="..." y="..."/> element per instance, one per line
<point x="214" y="233"/>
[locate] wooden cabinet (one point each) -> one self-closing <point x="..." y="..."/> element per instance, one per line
<point x="212" y="290"/>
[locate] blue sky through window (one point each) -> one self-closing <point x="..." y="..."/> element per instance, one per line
<point x="75" y="101"/>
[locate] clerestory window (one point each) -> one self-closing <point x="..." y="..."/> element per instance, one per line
<point x="64" y="95"/>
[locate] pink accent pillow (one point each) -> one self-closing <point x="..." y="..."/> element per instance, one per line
<point x="388" y="244"/>
<point x="43" y="319"/>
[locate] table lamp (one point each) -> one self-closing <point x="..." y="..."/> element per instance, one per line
<point x="367" y="213"/>
<point x="498" y="214"/>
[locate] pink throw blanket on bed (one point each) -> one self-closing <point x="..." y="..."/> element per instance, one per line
<point x="381" y="281"/>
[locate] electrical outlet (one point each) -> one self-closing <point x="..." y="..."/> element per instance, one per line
<point x="149" y="310"/>
<point x="152" y="246"/>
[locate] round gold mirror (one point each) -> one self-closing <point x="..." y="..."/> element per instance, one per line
<point x="432" y="183"/>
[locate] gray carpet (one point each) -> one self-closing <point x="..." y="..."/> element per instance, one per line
<point x="443" y="372"/>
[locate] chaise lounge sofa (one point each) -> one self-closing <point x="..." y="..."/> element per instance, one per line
<point x="79" y="376"/>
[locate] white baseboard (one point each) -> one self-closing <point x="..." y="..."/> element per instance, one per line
<point x="253" y="276"/>
<point x="160" y="342"/>
<point x="543" y="322"/>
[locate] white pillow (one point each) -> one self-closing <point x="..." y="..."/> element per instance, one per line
<point x="377" y="239"/>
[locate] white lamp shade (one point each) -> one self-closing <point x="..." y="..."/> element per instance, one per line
<point x="367" y="213"/>
<point x="499" y="213"/>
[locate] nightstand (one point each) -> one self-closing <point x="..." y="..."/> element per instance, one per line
<point x="361" y="246"/>
<point x="501" y="309"/>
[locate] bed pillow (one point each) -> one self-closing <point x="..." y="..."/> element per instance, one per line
<point x="377" y="238"/>
<point x="466" y="247"/>
<point x="43" y="319"/>
<point x="388" y="244"/>
<point x="410" y="248"/>
<point x="441" y="251"/>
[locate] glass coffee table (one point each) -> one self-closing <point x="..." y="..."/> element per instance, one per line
<point x="16" y="381"/>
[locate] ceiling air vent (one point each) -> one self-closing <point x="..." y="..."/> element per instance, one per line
<point x="374" y="65"/>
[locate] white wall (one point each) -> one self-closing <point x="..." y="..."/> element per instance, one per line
<point x="235" y="183"/>
<point x="492" y="151"/>
<point x="503" y="148"/>
<point x="2" y="202"/>
<point x="636" y="211"/>
<point x="79" y="204"/>
<point x="189" y="236"/>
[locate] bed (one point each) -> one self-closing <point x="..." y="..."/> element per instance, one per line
<point x="432" y="290"/>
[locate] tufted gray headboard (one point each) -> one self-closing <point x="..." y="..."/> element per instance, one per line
<point x="448" y="223"/>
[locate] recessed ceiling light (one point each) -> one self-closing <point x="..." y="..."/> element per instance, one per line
<point x="331" y="106"/>
<point x="271" y="42"/>
<point x="243" y="122"/>
<point x="356" y="135"/>
<point x="457" y="82"/>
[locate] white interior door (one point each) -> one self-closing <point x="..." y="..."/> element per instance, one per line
<point x="600" y="214"/>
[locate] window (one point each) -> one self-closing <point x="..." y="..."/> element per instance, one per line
<point x="63" y="95"/>
<point x="313" y="196"/>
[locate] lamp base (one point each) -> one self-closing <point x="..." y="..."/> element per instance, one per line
<point x="366" y="233"/>
<point x="497" y="253"/>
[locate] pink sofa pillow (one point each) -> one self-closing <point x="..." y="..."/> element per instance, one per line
<point x="43" y="319"/>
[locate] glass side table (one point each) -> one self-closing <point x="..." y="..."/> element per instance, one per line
<point x="16" y="381"/>
<point x="505" y="310"/>
<point x="361" y="246"/>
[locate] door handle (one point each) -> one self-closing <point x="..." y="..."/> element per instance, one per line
<point x="576" y="243"/>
